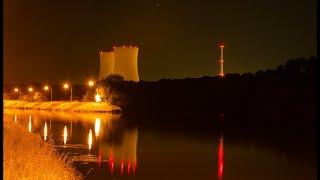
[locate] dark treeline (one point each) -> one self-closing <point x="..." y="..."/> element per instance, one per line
<point x="288" y="87"/>
<point x="282" y="95"/>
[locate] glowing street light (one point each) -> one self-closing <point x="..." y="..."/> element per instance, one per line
<point x="46" y="88"/>
<point x="91" y="83"/>
<point x="97" y="96"/>
<point x="16" y="90"/>
<point x="66" y="86"/>
<point x="30" y="90"/>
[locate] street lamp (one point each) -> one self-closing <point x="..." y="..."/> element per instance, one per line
<point x="91" y="83"/>
<point x="16" y="90"/>
<point x="66" y="86"/>
<point x="97" y="96"/>
<point x="47" y="88"/>
<point x="30" y="90"/>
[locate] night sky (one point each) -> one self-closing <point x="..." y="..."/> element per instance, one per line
<point x="59" y="40"/>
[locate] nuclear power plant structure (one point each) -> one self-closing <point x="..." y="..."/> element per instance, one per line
<point x="221" y="61"/>
<point x="106" y="64"/>
<point x="122" y="61"/>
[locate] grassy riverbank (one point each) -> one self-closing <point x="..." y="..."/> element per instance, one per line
<point x="63" y="106"/>
<point x="27" y="156"/>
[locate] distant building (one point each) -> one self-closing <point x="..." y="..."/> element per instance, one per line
<point x="124" y="62"/>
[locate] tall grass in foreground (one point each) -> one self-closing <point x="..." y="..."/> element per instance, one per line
<point x="27" y="156"/>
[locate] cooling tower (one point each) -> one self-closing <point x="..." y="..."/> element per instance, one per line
<point x="126" y="62"/>
<point x="106" y="64"/>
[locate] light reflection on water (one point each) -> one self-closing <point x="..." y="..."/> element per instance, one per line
<point x="97" y="126"/>
<point x="220" y="158"/>
<point x="65" y="135"/>
<point x="45" y="133"/>
<point x="30" y="124"/>
<point x="115" y="151"/>
<point x="90" y="139"/>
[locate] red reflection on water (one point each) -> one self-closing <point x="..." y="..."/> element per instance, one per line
<point x="112" y="167"/>
<point x="220" y="158"/>
<point x="121" y="170"/>
<point x="110" y="159"/>
<point x="129" y="165"/>
<point x="111" y="163"/>
<point x="100" y="157"/>
<point x="134" y="167"/>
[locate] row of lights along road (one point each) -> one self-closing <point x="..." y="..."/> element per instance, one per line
<point x="66" y="86"/>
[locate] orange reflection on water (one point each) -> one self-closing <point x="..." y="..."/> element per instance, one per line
<point x="30" y="124"/>
<point x="220" y="158"/>
<point x="97" y="125"/>
<point x="65" y="135"/>
<point x="45" y="131"/>
<point x="90" y="139"/>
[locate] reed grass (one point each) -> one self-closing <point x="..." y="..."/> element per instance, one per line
<point x="27" y="156"/>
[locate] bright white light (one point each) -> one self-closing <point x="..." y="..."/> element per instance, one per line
<point x="65" y="135"/>
<point x="97" y="126"/>
<point x="45" y="131"/>
<point x="15" y="118"/>
<point x="90" y="83"/>
<point x="90" y="139"/>
<point x="98" y="99"/>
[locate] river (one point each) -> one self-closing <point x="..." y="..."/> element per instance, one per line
<point x="108" y="146"/>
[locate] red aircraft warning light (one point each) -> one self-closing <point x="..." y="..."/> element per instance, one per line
<point x="221" y="61"/>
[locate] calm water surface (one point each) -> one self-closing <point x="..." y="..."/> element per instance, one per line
<point x="106" y="146"/>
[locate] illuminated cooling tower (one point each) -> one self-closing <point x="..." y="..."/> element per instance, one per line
<point x="126" y="62"/>
<point x="106" y="64"/>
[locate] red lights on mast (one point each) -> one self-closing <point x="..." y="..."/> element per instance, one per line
<point x="221" y="61"/>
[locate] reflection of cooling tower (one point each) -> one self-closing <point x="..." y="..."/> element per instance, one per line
<point x="126" y="62"/>
<point x="125" y="151"/>
<point x="106" y="64"/>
